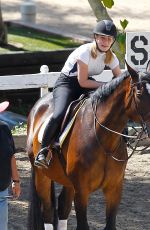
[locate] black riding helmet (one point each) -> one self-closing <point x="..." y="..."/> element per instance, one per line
<point x="106" y="27"/>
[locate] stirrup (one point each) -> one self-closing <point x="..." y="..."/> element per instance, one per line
<point x="40" y="160"/>
<point x="44" y="150"/>
<point x="41" y="164"/>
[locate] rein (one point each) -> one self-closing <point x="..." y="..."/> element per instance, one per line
<point x="138" y="137"/>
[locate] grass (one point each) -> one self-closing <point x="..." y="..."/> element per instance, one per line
<point x="26" y="39"/>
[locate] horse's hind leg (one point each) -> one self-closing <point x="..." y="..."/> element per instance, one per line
<point x="112" y="197"/>
<point x="64" y="206"/>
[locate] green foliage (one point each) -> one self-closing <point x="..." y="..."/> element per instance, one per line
<point x="107" y="3"/>
<point x="121" y="37"/>
<point x="124" y="24"/>
<point x="20" y="129"/>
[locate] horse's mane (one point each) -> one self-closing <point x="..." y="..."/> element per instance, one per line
<point x="104" y="91"/>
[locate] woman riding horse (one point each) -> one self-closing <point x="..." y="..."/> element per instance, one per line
<point x="87" y="60"/>
<point x="94" y="152"/>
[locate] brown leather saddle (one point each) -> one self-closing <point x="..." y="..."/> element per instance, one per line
<point x="72" y="109"/>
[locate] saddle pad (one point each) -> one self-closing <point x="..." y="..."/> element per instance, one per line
<point x="43" y="126"/>
<point x="66" y="130"/>
<point x="69" y="125"/>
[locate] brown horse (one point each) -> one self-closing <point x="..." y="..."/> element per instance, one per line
<point x="94" y="153"/>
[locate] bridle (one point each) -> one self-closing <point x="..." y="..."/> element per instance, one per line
<point x="138" y="137"/>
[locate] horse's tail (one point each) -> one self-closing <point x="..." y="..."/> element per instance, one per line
<point x="29" y="144"/>
<point x="30" y="136"/>
<point x="35" y="219"/>
<point x="34" y="122"/>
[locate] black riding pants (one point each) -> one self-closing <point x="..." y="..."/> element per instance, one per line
<point x="66" y="90"/>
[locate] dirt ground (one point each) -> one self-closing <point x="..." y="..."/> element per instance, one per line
<point x="134" y="210"/>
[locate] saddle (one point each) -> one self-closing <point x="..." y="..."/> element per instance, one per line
<point x="69" y="119"/>
<point x="67" y="122"/>
<point x="71" y="111"/>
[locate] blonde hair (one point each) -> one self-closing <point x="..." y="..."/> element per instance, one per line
<point x="109" y="55"/>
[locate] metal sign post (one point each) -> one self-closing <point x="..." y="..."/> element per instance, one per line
<point x="138" y="49"/>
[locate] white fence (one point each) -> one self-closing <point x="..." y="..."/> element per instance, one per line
<point x="42" y="80"/>
<point x="45" y="79"/>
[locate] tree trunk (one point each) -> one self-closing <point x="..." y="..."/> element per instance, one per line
<point x="99" y="10"/>
<point x="3" y="30"/>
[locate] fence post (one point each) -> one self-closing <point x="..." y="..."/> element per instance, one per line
<point x="44" y="70"/>
<point x="28" y="11"/>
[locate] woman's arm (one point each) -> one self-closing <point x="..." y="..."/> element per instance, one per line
<point x="116" y="71"/>
<point x="83" y="77"/>
<point x="15" y="178"/>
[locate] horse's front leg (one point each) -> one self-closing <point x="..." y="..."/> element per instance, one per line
<point x="64" y="206"/>
<point x="44" y="190"/>
<point x="80" y="201"/>
<point x="112" y="196"/>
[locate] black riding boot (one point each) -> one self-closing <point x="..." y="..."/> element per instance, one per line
<point x="48" y="136"/>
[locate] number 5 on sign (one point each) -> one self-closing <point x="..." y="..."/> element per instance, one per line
<point x="138" y="49"/>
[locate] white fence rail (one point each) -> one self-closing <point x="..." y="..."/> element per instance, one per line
<point x="42" y="80"/>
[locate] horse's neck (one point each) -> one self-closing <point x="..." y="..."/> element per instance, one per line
<point x="112" y="114"/>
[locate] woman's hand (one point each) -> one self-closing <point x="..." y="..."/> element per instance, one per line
<point x="16" y="189"/>
<point x="116" y="71"/>
<point x="15" y="178"/>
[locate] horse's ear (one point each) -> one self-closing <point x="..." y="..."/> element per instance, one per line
<point x="148" y="67"/>
<point x="134" y="74"/>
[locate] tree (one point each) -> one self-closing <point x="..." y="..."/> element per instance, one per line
<point x="3" y="31"/>
<point x="99" y="9"/>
